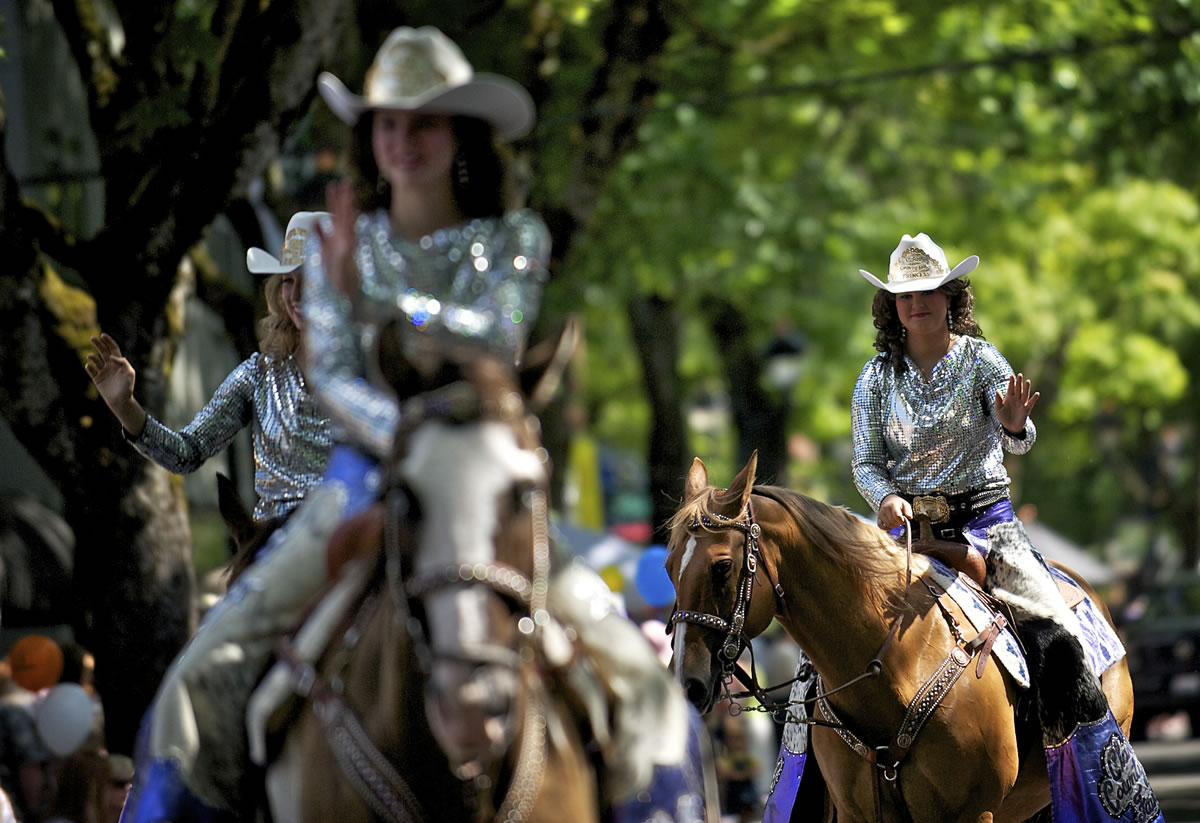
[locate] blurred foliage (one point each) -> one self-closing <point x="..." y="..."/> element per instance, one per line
<point x="794" y="142"/>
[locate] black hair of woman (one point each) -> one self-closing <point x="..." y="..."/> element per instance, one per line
<point x="889" y="338"/>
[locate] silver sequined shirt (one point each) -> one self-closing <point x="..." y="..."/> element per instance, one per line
<point x="919" y="436"/>
<point x="479" y="281"/>
<point x="291" y="438"/>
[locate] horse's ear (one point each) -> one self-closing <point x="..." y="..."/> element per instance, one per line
<point x="237" y="519"/>
<point x="743" y="484"/>
<point x="545" y="364"/>
<point x="697" y="479"/>
<point x="388" y="366"/>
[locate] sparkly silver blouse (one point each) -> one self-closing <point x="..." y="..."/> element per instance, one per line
<point x="291" y="437"/>
<point x="940" y="435"/>
<point x="480" y="281"/>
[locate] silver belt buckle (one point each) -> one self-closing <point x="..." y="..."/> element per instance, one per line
<point x="934" y="507"/>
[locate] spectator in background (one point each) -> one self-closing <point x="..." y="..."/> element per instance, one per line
<point x="737" y="767"/>
<point x="81" y="787"/>
<point x="79" y="666"/>
<point x="120" y="778"/>
<point x="24" y="759"/>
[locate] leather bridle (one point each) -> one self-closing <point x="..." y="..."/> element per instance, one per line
<point x="368" y="770"/>
<point x="736" y="638"/>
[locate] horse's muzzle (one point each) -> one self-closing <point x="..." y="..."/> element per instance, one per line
<point x="470" y="711"/>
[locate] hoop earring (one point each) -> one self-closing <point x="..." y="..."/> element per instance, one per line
<point x="461" y="170"/>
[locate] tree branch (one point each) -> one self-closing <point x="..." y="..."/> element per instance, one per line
<point x="54" y="239"/>
<point x="99" y="67"/>
<point x="625" y="86"/>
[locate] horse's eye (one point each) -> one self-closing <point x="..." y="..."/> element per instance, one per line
<point x="722" y="568"/>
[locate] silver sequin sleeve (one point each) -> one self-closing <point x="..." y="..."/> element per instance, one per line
<point x="479" y="281"/>
<point x="290" y="437"/>
<point x="941" y="435"/>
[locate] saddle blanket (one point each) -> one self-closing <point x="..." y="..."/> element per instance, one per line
<point x="1006" y="649"/>
<point x="1103" y="648"/>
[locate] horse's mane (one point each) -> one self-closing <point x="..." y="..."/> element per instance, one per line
<point x="863" y="552"/>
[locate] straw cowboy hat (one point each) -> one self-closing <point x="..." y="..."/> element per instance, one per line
<point x="423" y="70"/>
<point x="291" y="256"/>
<point x="919" y="264"/>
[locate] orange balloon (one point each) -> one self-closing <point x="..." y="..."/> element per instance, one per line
<point x="36" y="661"/>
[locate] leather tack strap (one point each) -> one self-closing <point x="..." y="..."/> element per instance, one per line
<point x="373" y="777"/>
<point x="984" y="642"/>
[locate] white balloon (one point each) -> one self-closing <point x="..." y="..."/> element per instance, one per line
<point x="64" y="718"/>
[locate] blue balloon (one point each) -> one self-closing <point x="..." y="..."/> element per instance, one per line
<point x="653" y="583"/>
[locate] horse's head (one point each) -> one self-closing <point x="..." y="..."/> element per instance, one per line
<point x="471" y="474"/>
<point x="723" y="596"/>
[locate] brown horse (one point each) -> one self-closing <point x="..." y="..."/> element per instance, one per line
<point x="439" y="698"/>
<point x="842" y="590"/>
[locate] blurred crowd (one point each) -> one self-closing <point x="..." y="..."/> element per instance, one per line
<point x="745" y="740"/>
<point x="53" y="765"/>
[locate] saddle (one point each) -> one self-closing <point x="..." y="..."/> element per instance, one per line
<point x="965" y="558"/>
<point x="962" y="557"/>
<point x="357" y="536"/>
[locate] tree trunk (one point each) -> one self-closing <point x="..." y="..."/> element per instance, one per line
<point x="179" y="136"/>
<point x="622" y="87"/>
<point x="656" y="335"/>
<point x="759" y="416"/>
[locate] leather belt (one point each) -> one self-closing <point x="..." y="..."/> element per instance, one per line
<point x="941" y="508"/>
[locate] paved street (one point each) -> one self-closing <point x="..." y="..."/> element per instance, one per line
<point x="1174" y="770"/>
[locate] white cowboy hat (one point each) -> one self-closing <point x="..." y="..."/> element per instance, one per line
<point x="919" y="264"/>
<point x="291" y="256"/>
<point x="423" y="70"/>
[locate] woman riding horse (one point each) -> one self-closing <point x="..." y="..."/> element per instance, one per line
<point x="932" y="416"/>
<point x="425" y="232"/>
<point x="267" y="390"/>
<point x="436" y="241"/>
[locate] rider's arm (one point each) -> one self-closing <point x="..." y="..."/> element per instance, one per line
<point x="869" y="461"/>
<point x="227" y="413"/>
<point x="364" y="414"/>
<point x="996" y="371"/>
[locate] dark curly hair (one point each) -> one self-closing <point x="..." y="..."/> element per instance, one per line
<point x="488" y="191"/>
<point x="889" y="340"/>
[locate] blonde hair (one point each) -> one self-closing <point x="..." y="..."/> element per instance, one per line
<point x="278" y="335"/>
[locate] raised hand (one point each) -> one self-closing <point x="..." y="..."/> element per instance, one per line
<point x="337" y="247"/>
<point x="114" y="377"/>
<point x="1014" y="406"/>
